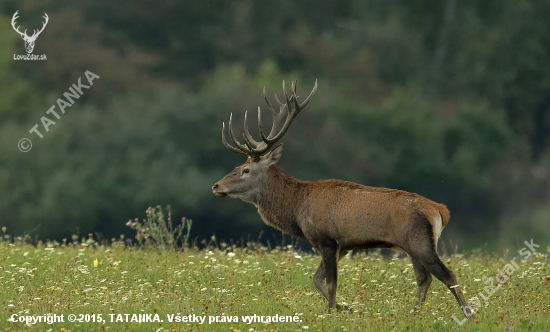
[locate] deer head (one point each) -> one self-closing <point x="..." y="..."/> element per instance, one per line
<point x="29" y="40"/>
<point x="246" y="181"/>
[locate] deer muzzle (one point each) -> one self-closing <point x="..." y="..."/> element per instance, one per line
<point x="218" y="191"/>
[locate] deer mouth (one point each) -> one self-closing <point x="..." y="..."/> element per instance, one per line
<point x="220" y="194"/>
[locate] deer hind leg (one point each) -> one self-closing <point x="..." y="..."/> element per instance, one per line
<point x="421" y="247"/>
<point x="436" y="267"/>
<point x="423" y="280"/>
<point x="433" y="264"/>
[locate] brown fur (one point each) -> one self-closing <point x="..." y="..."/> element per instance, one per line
<point x="336" y="216"/>
<point x="288" y="201"/>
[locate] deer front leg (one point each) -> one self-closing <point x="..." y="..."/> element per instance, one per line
<point x="331" y="274"/>
<point x="319" y="277"/>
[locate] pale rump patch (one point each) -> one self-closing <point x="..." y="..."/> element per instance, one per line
<point x="437" y="224"/>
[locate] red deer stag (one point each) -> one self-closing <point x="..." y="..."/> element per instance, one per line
<point x="335" y="216"/>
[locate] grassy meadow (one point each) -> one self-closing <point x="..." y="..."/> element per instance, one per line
<point x="99" y="284"/>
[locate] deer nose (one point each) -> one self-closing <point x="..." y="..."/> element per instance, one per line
<point x="215" y="188"/>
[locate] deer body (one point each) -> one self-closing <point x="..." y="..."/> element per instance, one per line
<point x="336" y="210"/>
<point x="336" y="216"/>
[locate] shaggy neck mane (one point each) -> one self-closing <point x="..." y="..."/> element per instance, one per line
<point x="279" y="201"/>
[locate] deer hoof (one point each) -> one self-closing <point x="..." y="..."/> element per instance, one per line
<point x="468" y="312"/>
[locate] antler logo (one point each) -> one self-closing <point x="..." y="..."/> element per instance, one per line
<point x="29" y="40"/>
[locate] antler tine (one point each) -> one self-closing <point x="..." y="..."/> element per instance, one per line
<point x="302" y="105"/>
<point x="277" y="116"/>
<point x="260" y="125"/>
<point x="13" y="22"/>
<point x="294" y="98"/>
<point x="268" y="144"/>
<point x="293" y="109"/>
<point x="247" y="137"/>
<point x="273" y="112"/>
<point x="288" y="100"/>
<point x="44" y="23"/>
<point x="232" y="149"/>
<point x="38" y="32"/>
<point x="241" y="147"/>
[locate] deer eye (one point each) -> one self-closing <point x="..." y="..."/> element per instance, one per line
<point x="246" y="171"/>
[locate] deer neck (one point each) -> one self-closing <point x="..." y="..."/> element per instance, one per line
<point x="279" y="202"/>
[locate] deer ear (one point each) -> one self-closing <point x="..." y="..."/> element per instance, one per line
<point x="274" y="156"/>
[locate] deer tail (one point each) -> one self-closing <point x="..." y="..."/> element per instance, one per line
<point x="445" y="214"/>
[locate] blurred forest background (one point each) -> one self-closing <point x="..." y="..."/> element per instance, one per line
<point x="449" y="99"/>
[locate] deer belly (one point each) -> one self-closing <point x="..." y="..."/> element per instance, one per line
<point x="365" y="235"/>
<point x="349" y="232"/>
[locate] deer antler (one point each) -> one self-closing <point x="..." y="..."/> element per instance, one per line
<point x="13" y="19"/>
<point x="36" y="33"/>
<point x="255" y="149"/>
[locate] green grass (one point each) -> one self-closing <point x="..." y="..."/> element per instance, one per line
<point x="38" y="280"/>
